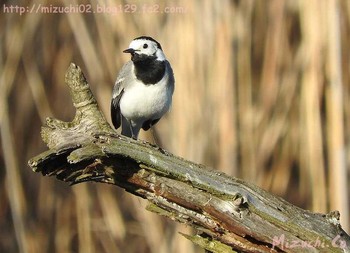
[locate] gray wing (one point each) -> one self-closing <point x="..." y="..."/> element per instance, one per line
<point x="171" y="76"/>
<point x="171" y="82"/>
<point x="123" y="78"/>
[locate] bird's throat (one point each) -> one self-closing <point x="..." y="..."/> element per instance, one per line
<point x="148" y="69"/>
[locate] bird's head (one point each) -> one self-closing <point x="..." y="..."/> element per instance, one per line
<point x="145" y="47"/>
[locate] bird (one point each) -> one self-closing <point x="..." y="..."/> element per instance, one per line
<point x="144" y="87"/>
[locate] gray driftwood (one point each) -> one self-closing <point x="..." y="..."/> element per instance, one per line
<point x="229" y="214"/>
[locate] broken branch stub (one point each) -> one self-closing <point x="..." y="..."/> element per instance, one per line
<point x="88" y="118"/>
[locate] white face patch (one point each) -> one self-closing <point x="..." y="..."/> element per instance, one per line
<point x="147" y="47"/>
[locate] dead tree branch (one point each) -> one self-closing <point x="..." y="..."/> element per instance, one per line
<point x="229" y="214"/>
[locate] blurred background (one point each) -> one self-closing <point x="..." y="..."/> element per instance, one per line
<point x="262" y="93"/>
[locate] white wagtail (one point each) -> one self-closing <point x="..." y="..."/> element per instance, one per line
<point x="143" y="91"/>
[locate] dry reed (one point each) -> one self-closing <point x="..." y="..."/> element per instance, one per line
<point x="262" y="93"/>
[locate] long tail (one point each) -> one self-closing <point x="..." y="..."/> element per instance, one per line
<point x="129" y="129"/>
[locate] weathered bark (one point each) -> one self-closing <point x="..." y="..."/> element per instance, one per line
<point x="230" y="214"/>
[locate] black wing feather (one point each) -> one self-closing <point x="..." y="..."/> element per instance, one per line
<point x="149" y="123"/>
<point x="115" y="110"/>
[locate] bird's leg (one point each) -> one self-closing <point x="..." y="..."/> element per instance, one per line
<point x="132" y="131"/>
<point x="155" y="136"/>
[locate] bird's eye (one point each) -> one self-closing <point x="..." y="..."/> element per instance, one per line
<point x="145" y="45"/>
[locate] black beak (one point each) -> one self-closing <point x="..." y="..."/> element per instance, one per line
<point x="129" y="50"/>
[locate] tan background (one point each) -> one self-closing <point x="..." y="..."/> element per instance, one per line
<point x="262" y="93"/>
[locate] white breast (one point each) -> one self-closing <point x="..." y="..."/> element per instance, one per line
<point x="142" y="102"/>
